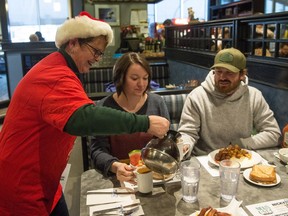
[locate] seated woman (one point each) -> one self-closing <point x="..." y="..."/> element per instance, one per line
<point x="131" y="76"/>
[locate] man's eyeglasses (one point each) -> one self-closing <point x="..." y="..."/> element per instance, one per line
<point x="96" y="52"/>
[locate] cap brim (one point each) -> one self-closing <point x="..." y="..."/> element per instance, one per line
<point x="227" y="66"/>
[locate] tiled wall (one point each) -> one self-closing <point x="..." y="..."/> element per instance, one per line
<point x="276" y="98"/>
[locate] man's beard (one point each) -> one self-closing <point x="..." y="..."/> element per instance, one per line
<point x="228" y="89"/>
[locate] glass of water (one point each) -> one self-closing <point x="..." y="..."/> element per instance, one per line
<point x="190" y="177"/>
<point x="229" y="178"/>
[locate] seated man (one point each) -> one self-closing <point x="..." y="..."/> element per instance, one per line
<point x="224" y="109"/>
<point x="131" y="76"/>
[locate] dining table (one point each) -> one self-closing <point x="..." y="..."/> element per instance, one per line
<point x="166" y="198"/>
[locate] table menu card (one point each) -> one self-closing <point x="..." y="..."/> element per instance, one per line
<point x="271" y="208"/>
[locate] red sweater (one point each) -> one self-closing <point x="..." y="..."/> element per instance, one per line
<point x="33" y="147"/>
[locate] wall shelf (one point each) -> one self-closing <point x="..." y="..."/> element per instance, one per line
<point x="234" y="9"/>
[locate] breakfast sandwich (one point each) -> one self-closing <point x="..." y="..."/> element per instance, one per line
<point x="264" y="174"/>
<point x="212" y="212"/>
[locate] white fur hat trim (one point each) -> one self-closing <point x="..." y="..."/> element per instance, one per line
<point x="82" y="26"/>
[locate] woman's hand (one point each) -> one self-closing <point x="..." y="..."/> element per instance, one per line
<point x="124" y="172"/>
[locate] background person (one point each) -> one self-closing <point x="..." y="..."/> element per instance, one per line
<point x="131" y="76"/>
<point x="49" y="108"/>
<point x="225" y="109"/>
<point x="283" y="52"/>
<point x="33" y="38"/>
<point x="39" y="35"/>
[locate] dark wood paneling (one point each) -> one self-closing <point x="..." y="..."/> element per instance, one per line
<point x="183" y="44"/>
<point x="267" y="71"/>
<point x="189" y="56"/>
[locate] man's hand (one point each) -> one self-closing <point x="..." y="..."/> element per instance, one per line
<point x="158" y="126"/>
<point x="186" y="148"/>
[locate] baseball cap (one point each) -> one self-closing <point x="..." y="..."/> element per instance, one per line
<point x="231" y="59"/>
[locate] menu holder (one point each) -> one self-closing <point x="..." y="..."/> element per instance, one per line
<point x="271" y="208"/>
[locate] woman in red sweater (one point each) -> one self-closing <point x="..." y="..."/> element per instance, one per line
<point x="48" y="110"/>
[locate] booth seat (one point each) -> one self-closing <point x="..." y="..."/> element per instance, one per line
<point x="174" y="104"/>
<point x="95" y="80"/>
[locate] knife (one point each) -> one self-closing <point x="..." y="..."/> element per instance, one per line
<point x="110" y="192"/>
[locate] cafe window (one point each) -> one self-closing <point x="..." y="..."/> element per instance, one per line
<point x="177" y="9"/>
<point x="28" y="16"/>
<point x="274" y="6"/>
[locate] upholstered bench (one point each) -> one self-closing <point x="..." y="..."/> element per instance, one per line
<point x="174" y="104"/>
<point x="95" y="80"/>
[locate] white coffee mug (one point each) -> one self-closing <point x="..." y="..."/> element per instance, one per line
<point x="144" y="180"/>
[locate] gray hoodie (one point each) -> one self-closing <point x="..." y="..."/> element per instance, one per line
<point x="211" y="120"/>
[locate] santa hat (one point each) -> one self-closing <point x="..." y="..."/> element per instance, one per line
<point x="82" y="26"/>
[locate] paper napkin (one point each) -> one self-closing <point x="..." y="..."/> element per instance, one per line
<point x="233" y="208"/>
<point x="98" y="208"/>
<point x="212" y="170"/>
<point x="109" y="195"/>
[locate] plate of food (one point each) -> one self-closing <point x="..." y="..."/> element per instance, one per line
<point x="262" y="175"/>
<point x="171" y="86"/>
<point x="160" y="178"/>
<point x="233" y="209"/>
<point x="209" y="211"/>
<point x="245" y="157"/>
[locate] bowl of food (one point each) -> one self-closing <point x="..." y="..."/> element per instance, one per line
<point x="283" y="154"/>
<point x="162" y="155"/>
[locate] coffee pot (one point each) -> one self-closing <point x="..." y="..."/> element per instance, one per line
<point x="162" y="155"/>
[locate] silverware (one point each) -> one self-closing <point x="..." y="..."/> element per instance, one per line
<point x="113" y="191"/>
<point x="268" y="162"/>
<point x="123" y="210"/>
<point x="129" y="211"/>
<point x="109" y="192"/>
<point x="272" y="163"/>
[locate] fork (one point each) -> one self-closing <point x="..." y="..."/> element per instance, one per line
<point x="121" y="211"/>
<point x="128" y="211"/>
